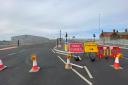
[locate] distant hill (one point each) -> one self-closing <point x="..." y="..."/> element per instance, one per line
<point x="29" y="39"/>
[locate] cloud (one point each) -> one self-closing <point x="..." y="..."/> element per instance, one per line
<point x="47" y="17"/>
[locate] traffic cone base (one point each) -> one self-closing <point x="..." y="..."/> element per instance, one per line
<point x="2" y="68"/>
<point x="116" y="64"/>
<point x="35" y="69"/>
<point x="116" y="68"/>
<point x="68" y="66"/>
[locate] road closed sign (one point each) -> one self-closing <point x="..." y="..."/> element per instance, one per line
<point x="75" y="47"/>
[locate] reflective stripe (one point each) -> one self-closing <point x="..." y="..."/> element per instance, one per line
<point x="68" y="61"/>
<point x="34" y="63"/>
<point x="117" y="60"/>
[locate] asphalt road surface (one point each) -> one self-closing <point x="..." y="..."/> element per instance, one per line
<point x="52" y="70"/>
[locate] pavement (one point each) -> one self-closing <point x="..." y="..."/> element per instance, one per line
<point x="52" y="70"/>
<point x="5" y="46"/>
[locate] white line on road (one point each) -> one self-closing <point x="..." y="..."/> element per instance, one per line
<point x="64" y="51"/>
<point x="15" y="53"/>
<point x="12" y="54"/>
<point x="123" y="47"/>
<point x="53" y="51"/>
<point x="70" y="63"/>
<point x="61" y="59"/>
<point x="77" y="65"/>
<point x="7" y="48"/>
<point x="81" y="76"/>
<point x="89" y="73"/>
<point x="125" y="58"/>
<point x="61" y="53"/>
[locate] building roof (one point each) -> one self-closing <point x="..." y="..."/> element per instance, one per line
<point x="115" y="34"/>
<point x="106" y="34"/>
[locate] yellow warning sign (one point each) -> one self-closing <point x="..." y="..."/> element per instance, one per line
<point x="90" y="47"/>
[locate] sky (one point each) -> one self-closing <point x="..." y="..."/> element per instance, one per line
<point x="79" y="18"/>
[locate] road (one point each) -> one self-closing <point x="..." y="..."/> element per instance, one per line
<point x="52" y="70"/>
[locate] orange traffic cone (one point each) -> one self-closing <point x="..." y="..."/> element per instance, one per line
<point x="68" y="64"/>
<point x="116" y="64"/>
<point x="35" y="67"/>
<point x="2" y="66"/>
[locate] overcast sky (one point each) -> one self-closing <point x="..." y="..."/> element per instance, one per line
<point x="47" y="17"/>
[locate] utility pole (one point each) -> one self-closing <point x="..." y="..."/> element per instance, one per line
<point x="100" y="27"/>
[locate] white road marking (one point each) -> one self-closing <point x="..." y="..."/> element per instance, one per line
<point x="125" y="58"/>
<point x="61" y="53"/>
<point x="70" y="63"/>
<point x="12" y="54"/>
<point x="82" y="77"/>
<point x="123" y="47"/>
<point x="61" y="59"/>
<point x="53" y="51"/>
<point x="64" y="51"/>
<point x="89" y="73"/>
<point x="77" y="65"/>
<point x="15" y="53"/>
<point x="7" y="48"/>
